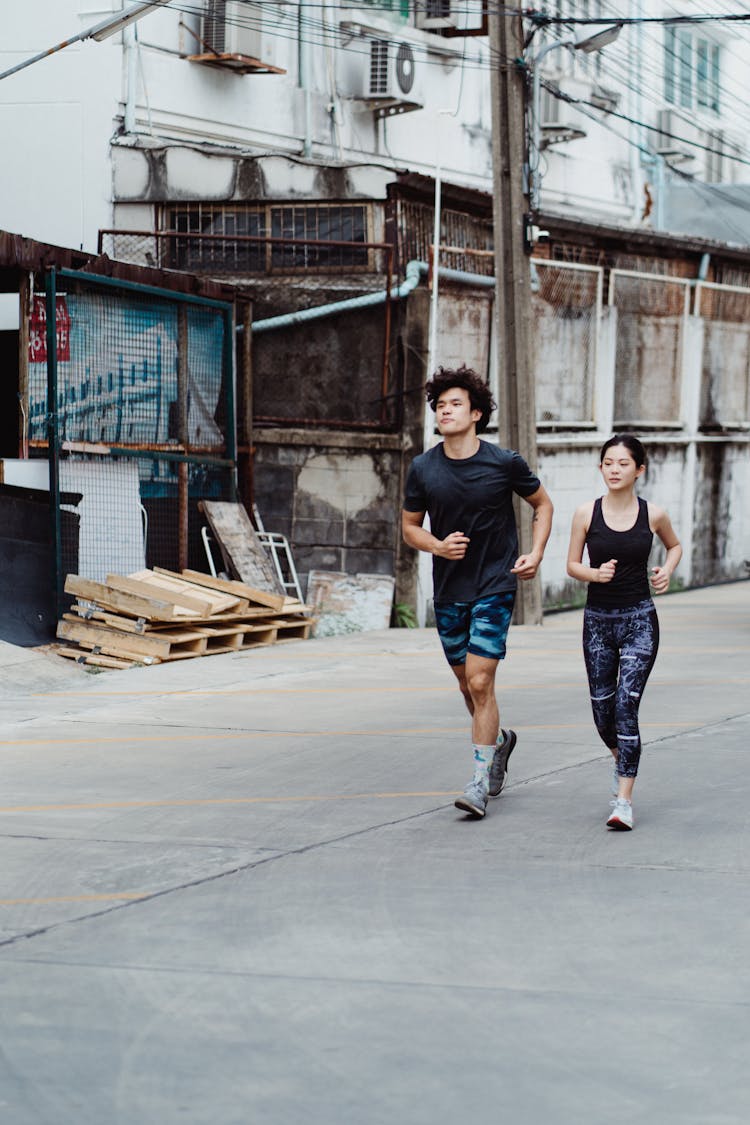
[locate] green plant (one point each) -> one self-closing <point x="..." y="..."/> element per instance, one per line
<point x="403" y="616"/>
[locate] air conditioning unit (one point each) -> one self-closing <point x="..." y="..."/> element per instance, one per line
<point x="392" y="79"/>
<point x="677" y="138"/>
<point x="555" y="121"/>
<point x="549" y="108"/>
<point x="232" y="30"/>
<point x="433" y="15"/>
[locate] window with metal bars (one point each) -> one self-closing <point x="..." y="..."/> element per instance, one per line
<point x="466" y="241"/>
<point x="284" y="237"/>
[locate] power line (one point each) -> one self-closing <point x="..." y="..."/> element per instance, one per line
<point x="571" y="100"/>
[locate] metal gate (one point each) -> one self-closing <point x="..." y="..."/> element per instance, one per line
<point x="131" y="399"/>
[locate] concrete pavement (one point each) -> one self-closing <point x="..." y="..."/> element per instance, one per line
<point x="236" y="890"/>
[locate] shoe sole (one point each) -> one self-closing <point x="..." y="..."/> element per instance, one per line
<point x="466" y="806"/>
<point x="619" y="825"/>
<point x="512" y="739"/>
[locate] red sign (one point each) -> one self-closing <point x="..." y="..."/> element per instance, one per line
<point x="38" y="331"/>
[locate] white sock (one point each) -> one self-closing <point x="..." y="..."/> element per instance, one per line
<point x="483" y="756"/>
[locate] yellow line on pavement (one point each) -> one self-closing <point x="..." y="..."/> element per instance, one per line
<point x="121" y="896"/>
<point x="172" y="735"/>
<point x="196" y="802"/>
<point x="417" y="689"/>
<point x="210" y="736"/>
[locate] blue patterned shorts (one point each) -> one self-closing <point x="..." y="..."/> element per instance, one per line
<point x="479" y="627"/>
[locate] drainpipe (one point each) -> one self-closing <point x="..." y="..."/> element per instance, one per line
<point x="304" y="80"/>
<point x="414" y="271"/>
<point x="691" y="406"/>
<point x="131" y="73"/>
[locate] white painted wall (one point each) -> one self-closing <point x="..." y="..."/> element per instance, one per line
<point x="604" y="174"/>
<point x="57" y="118"/>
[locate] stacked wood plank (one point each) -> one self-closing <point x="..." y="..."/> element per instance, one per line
<point x="158" y="615"/>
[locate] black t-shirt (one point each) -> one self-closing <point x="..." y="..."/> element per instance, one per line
<point x="631" y="549"/>
<point x="474" y="496"/>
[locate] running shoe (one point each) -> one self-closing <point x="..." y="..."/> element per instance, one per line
<point x="499" y="767"/>
<point x="621" y="817"/>
<point x="474" y="800"/>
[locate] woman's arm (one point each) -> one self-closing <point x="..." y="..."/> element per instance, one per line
<point x="576" y="567"/>
<point x="661" y="525"/>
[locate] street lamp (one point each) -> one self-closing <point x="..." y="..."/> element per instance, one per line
<point x="99" y="31"/>
<point x="588" y="45"/>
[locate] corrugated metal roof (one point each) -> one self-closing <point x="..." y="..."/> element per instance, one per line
<point x="21" y="254"/>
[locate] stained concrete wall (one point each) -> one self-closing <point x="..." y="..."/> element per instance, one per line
<point x="337" y="495"/>
<point x="334" y="496"/>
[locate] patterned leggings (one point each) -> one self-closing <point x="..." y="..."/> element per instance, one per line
<point x="619" y="648"/>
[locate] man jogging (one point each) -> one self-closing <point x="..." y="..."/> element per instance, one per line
<point x="466" y="488"/>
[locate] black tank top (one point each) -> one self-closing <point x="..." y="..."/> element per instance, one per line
<point x="631" y="548"/>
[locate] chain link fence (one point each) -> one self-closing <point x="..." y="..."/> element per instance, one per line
<point x="131" y="399"/>
<point x="281" y="273"/>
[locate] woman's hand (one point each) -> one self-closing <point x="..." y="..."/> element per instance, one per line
<point x="606" y="571"/>
<point x="659" y="579"/>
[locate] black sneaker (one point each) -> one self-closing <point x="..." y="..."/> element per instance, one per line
<point x="499" y="767"/>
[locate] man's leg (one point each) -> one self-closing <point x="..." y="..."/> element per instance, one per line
<point x="476" y="679"/>
<point x="480" y="625"/>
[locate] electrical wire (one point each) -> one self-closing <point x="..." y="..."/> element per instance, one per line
<point x="483" y="58"/>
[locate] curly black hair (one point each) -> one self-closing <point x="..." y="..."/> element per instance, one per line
<point x="480" y="395"/>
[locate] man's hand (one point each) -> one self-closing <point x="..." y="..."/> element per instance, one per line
<point x="453" y="546"/>
<point x="526" y="566"/>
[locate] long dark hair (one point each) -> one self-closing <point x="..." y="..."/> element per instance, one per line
<point x="633" y="444"/>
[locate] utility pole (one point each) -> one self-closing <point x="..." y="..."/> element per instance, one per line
<point x="512" y="338"/>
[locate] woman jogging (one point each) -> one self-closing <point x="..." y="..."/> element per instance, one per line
<point x="620" y="626"/>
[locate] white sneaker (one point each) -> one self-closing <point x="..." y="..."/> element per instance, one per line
<point x="621" y="816"/>
<point x="474" y="799"/>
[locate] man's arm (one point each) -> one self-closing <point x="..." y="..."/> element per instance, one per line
<point x="526" y="566"/>
<point x="452" y="547"/>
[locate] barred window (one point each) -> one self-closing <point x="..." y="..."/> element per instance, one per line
<point x="222" y="246"/>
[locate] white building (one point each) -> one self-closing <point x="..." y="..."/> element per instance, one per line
<point x="172" y="111"/>
<point x="663" y="104"/>
<point x="210" y="121"/>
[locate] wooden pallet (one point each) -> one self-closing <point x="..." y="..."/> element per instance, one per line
<point x="151" y="617"/>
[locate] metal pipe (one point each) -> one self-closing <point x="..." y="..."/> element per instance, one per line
<point x="131" y="80"/>
<point x="183" y="490"/>
<point x="53" y="438"/>
<point x="414" y="270"/>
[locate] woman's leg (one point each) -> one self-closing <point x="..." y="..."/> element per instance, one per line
<point x="602" y="659"/>
<point x="639" y="643"/>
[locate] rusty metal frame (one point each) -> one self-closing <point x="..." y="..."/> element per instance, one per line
<point x="387" y="248"/>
